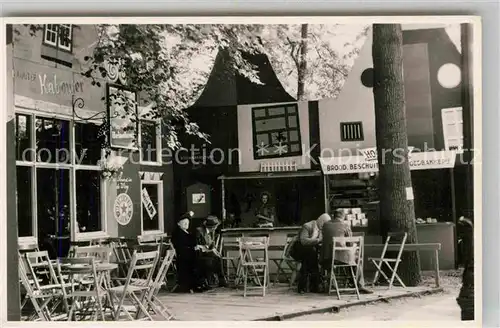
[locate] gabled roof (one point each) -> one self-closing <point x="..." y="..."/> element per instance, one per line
<point x="225" y="87"/>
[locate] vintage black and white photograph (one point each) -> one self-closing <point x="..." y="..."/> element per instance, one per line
<point x="283" y="169"/>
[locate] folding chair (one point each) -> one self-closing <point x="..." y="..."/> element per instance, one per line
<point x="154" y="302"/>
<point x="351" y="248"/>
<point x="361" y="251"/>
<point x="136" y="289"/>
<point x="230" y="262"/>
<point x="44" y="279"/>
<point x="40" y="298"/>
<point x="398" y="238"/>
<point x="85" y="284"/>
<point x="285" y="264"/>
<point x="252" y="268"/>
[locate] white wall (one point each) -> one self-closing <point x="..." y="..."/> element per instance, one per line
<point x="354" y="103"/>
<point x="245" y="139"/>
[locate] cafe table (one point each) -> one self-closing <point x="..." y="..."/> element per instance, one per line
<point x="103" y="279"/>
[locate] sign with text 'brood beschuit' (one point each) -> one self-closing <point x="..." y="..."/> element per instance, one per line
<point x="363" y="163"/>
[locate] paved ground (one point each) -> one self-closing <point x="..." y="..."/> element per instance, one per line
<point x="436" y="307"/>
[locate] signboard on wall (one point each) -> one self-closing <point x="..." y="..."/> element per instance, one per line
<point x="148" y="204"/>
<point x="123" y="209"/>
<point x="122" y="119"/>
<point x="199" y="200"/>
<point x="362" y="163"/>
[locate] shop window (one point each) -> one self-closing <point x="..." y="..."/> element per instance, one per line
<point x="52" y="141"/>
<point x="453" y="128"/>
<point x="351" y="131"/>
<point x="24" y="197"/>
<point x="88" y="205"/>
<point x="152" y="206"/>
<point x="55" y="191"/>
<point x="23" y="133"/>
<point x="88" y="144"/>
<point x="150" y="141"/>
<point x="59" y="36"/>
<point x="276" y="131"/>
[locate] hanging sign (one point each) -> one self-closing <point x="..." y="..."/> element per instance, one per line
<point x="148" y="204"/>
<point x="363" y="163"/>
<point x="123" y="209"/>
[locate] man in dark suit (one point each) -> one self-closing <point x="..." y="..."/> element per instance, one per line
<point x="338" y="228"/>
<point x="209" y="258"/>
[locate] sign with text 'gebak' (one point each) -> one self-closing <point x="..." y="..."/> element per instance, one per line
<point x="361" y="163"/>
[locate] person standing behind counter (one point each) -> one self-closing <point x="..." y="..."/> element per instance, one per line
<point x="266" y="213"/>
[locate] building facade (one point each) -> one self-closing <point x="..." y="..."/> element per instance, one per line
<point x="63" y="189"/>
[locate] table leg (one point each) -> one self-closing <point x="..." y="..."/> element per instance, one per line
<point x="436" y="256"/>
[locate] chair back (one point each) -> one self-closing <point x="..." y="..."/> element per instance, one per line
<point x="100" y="253"/>
<point x="142" y="265"/>
<point x="40" y="269"/>
<point x="159" y="280"/>
<point x="351" y="247"/>
<point x="396" y="238"/>
<point x="290" y="239"/>
<point x="249" y="244"/>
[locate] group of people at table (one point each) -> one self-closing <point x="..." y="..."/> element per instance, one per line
<point x="198" y="258"/>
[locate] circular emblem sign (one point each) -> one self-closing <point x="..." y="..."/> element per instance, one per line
<point x="123" y="209"/>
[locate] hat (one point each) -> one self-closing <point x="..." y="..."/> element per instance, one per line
<point x="187" y="215"/>
<point x="211" y="221"/>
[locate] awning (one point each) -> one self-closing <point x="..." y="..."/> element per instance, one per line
<point x="362" y="163"/>
<point x="271" y="175"/>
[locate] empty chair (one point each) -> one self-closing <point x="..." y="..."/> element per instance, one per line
<point x="258" y="269"/>
<point x="390" y="263"/>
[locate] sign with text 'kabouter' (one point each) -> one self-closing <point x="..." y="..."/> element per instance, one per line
<point x="362" y="163"/>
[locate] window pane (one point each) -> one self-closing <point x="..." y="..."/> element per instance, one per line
<point x="276" y="111"/>
<point x="294" y="148"/>
<point x="279" y="136"/>
<point x="65" y="36"/>
<point x="260" y="112"/>
<point x="53" y="206"/>
<point x="23" y="138"/>
<point x="292" y="121"/>
<point x="294" y="135"/>
<point x="52" y="141"/>
<point x="24" y="201"/>
<point x="148" y="141"/>
<point x="150" y="221"/>
<point x="87" y="144"/>
<point x="88" y="201"/>
<point x="263" y="139"/>
<point x="270" y="124"/>
<point x="290" y="109"/>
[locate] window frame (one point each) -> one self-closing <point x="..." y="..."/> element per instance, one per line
<point x="57" y="45"/>
<point x="287" y="130"/>
<point x="71" y="167"/>
<point x="161" y="217"/>
<point x="158" y="138"/>
<point x="343" y="138"/>
<point x="458" y="120"/>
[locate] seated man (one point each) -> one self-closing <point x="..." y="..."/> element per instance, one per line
<point x="337" y="228"/>
<point x="208" y="257"/>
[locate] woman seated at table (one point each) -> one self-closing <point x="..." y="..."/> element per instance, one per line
<point x="305" y="251"/>
<point x="188" y="279"/>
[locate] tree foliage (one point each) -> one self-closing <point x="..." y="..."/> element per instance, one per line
<point x="331" y="49"/>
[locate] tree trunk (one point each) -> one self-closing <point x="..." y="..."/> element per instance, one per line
<point x="302" y="69"/>
<point x="397" y="212"/>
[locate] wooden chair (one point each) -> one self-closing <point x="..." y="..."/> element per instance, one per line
<point x="231" y="263"/>
<point x="361" y="251"/>
<point x="252" y="268"/>
<point x="87" y="299"/>
<point x="391" y="263"/>
<point x="136" y="289"/>
<point x="285" y="264"/>
<point x="351" y="247"/>
<point x="154" y="303"/>
<point x="44" y="292"/>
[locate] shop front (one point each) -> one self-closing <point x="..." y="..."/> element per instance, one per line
<point x="63" y="125"/>
<point x="351" y="185"/>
